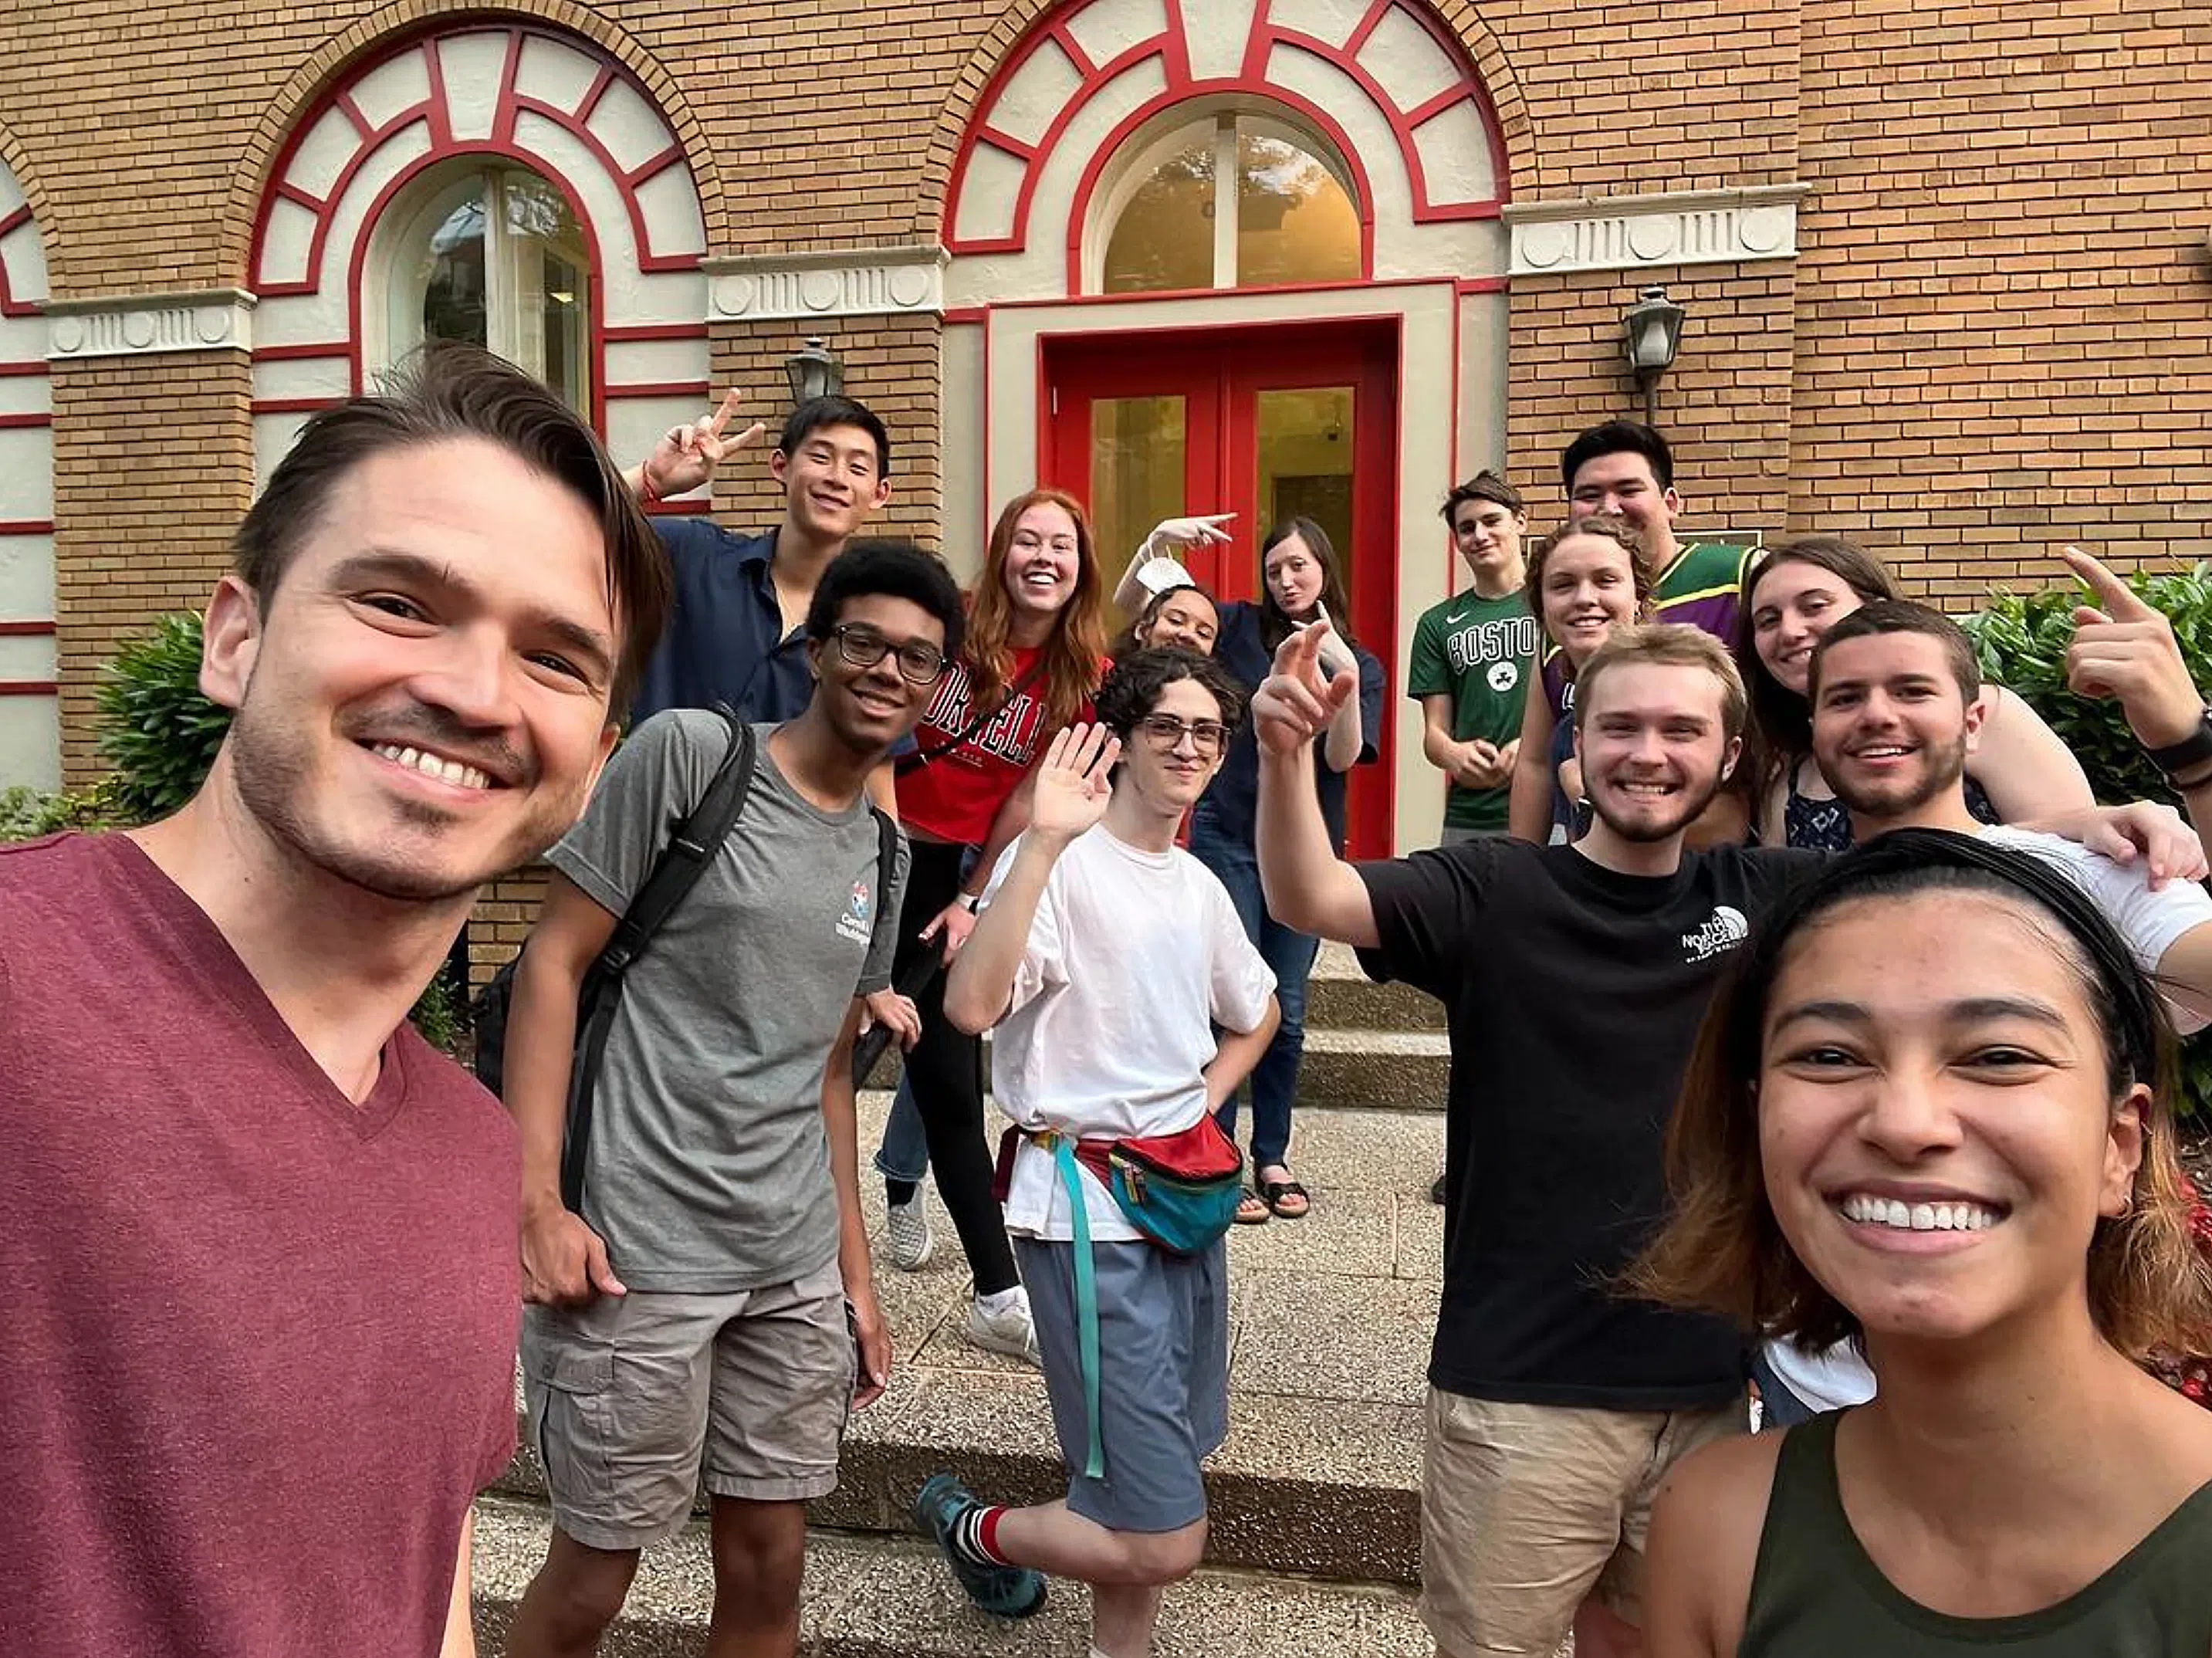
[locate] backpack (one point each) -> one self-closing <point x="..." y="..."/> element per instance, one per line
<point x="693" y="842"/>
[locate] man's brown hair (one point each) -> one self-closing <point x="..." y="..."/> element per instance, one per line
<point x="1901" y="616"/>
<point x="448" y="390"/>
<point x="1672" y="645"/>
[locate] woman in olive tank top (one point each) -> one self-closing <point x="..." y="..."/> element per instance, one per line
<point x="1931" y="1111"/>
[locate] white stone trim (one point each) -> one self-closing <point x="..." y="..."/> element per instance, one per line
<point x="1629" y="233"/>
<point x="844" y="282"/>
<point x="135" y="324"/>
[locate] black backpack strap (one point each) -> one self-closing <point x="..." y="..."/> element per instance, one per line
<point x="691" y="846"/>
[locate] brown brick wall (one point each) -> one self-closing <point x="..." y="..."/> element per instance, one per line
<point x="153" y="465"/>
<point x="1999" y="332"/>
<point x="1725" y="406"/>
<point x="501" y="920"/>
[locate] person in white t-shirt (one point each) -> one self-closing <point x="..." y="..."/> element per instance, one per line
<point x="1894" y="691"/>
<point x="1108" y="958"/>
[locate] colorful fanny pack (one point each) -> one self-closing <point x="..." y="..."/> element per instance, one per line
<point x="1180" y="1190"/>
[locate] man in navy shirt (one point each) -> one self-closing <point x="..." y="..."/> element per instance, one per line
<point x="737" y="633"/>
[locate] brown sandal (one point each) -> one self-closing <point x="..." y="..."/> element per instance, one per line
<point x="1253" y="1210"/>
<point x="1276" y="1192"/>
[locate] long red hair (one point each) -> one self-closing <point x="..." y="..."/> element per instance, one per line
<point x="1077" y="640"/>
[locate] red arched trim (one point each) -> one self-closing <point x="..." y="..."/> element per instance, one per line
<point x="431" y="110"/>
<point x="10" y="305"/>
<point x="1171" y="47"/>
<point x="415" y="169"/>
<point x="1363" y="193"/>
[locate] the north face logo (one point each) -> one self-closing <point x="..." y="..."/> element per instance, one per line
<point x="1724" y="929"/>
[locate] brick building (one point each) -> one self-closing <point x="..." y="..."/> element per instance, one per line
<point x="1945" y="267"/>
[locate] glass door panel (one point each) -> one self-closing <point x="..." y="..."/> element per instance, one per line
<point x="1302" y="450"/>
<point x="1139" y="456"/>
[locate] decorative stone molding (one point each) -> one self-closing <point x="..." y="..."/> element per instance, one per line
<point x="844" y="282"/>
<point x="135" y="324"/>
<point x="1628" y="233"/>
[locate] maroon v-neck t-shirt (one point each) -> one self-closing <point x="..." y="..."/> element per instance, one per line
<point x="256" y="1341"/>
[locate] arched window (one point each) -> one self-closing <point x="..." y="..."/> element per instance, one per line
<point x="1231" y="200"/>
<point x="493" y="256"/>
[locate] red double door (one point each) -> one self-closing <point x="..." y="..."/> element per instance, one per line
<point x="1266" y="423"/>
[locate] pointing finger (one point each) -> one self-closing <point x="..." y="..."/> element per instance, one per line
<point x="2113" y="595"/>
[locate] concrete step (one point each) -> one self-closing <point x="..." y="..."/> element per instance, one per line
<point x="1340" y="996"/>
<point x="1330" y="1322"/>
<point x="881" y="1597"/>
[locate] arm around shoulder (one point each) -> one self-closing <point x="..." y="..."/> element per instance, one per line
<point x="2023" y="766"/>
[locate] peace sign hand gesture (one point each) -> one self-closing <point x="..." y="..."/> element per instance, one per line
<point x="2123" y="648"/>
<point x="686" y="456"/>
<point x="1074" y="783"/>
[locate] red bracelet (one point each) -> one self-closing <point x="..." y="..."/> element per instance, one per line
<point x="646" y="494"/>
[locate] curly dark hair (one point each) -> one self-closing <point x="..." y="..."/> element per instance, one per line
<point x="898" y="568"/>
<point x="1131" y="690"/>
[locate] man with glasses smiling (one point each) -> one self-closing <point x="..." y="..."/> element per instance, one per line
<point x="1108" y="958"/>
<point x="712" y="1308"/>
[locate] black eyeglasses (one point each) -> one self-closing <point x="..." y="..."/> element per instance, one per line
<point x="1167" y="732"/>
<point x="863" y="647"/>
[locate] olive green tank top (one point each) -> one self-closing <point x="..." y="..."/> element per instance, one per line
<point x="1816" y="1593"/>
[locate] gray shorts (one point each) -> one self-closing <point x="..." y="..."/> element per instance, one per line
<point x="632" y="1398"/>
<point x="1454" y="836"/>
<point x="1163" y="1376"/>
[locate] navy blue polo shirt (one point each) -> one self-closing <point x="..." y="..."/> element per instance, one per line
<point x="725" y="641"/>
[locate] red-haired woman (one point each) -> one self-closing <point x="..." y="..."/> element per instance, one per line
<point x="1035" y="648"/>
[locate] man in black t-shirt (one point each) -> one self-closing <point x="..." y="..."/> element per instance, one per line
<point x="1555" y="1404"/>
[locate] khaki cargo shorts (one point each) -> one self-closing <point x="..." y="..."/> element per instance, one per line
<point x="633" y="1398"/>
<point x="1525" y="1508"/>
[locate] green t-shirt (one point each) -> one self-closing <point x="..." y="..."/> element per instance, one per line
<point x="1478" y="651"/>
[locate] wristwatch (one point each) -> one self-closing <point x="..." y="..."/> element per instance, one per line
<point x="972" y="902"/>
<point x="2192" y="751"/>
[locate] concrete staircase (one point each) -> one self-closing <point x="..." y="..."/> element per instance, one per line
<point x="1314" y="1538"/>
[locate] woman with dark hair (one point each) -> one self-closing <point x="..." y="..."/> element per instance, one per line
<point x="1184" y="614"/>
<point x="1300" y="581"/>
<point x="1793" y="593"/>
<point x="1929" y="1113"/>
<point x="1034" y="654"/>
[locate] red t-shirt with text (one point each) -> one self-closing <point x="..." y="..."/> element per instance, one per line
<point x="259" y="1340"/>
<point x="956" y="795"/>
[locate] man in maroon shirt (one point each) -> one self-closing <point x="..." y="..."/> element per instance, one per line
<point x="257" y="1238"/>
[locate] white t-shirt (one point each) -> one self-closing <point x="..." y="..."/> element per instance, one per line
<point x="2149" y="923"/>
<point x="1133" y="958"/>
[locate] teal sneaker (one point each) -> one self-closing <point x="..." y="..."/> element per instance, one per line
<point x="1002" y="1591"/>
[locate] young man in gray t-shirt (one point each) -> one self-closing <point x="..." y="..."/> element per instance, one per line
<point x="700" y="1316"/>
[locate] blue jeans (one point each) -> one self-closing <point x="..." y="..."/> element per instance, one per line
<point x="1290" y="956"/>
<point x="904" y="1154"/>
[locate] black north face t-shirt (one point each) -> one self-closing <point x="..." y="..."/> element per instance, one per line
<point x="1573" y="996"/>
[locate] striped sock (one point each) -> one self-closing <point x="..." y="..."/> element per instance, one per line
<point x="976" y="1535"/>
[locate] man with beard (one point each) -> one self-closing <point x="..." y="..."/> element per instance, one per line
<point x="259" y="1238"/>
<point x="1555" y="1406"/>
<point x="1574" y="979"/>
<point x="1897" y="707"/>
<point x="701" y="1315"/>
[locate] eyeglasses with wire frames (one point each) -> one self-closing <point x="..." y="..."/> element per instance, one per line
<point x="1165" y="731"/>
<point x="919" y="663"/>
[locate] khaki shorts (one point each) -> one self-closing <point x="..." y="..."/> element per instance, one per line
<point x="1525" y="1508"/>
<point x="631" y="1399"/>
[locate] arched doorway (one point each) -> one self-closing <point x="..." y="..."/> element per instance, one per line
<point x="1245" y="258"/>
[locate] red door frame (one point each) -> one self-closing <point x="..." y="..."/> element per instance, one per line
<point x="1219" y="372"/>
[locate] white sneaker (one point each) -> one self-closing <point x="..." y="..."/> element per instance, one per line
<point x="1009" y="1330"/>
<point x="911" y="1240"/>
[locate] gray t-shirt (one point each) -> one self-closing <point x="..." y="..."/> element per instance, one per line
<point x="709" y="1167"/>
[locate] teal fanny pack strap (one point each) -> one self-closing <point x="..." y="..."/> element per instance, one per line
<point x="1086" y="1299"/>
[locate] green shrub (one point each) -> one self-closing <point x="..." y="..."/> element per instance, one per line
<point x="2021" y="640"/>
<point x="156" y="728"/>
<point x="160" y="733"/>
